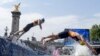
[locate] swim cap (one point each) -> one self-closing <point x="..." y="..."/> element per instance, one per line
<point x="82" y="43"/>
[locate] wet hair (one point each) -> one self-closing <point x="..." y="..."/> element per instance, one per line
<point x="42" y="19"/>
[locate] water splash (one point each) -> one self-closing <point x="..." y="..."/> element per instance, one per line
<point x="82" y="50"/>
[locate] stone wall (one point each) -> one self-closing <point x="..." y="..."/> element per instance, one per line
<point x="8" y="48"/>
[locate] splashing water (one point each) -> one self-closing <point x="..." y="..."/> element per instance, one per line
<point x="82" y="50"/>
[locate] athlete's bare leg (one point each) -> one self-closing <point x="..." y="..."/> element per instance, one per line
<point x="20" y="35"/>
<point x="12" y="35"/>
<point x="51" y="38"/>
<point x="15" y="34"/>
<point x="18" y="32"/>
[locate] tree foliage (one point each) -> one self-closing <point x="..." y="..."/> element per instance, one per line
<point x="95" y="32"/>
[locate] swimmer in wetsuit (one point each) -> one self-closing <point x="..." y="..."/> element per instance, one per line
<point x="68" y="33"/>
<point x="28" y="27"/>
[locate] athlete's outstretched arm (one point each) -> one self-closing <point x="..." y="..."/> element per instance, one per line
<point x="73" y="34"/>
<point x="83" y="40"/>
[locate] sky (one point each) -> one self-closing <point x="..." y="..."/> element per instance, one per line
<point x="58" y="14"/>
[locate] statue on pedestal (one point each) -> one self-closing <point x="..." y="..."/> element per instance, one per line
<point x="16" y="9"/>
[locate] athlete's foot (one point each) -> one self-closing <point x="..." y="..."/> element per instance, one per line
<point x="10" y="38"/>
<point x="45" y="43"/>
<point x="42" y="39"/>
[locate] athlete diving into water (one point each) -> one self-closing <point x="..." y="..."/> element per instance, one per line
<point x="68" y="33"/>
<point x="28" y="27"/>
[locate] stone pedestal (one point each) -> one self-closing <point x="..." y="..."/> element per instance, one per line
<point x="15" y="21"/>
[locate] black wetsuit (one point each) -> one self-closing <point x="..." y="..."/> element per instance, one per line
<point x="28" y="26"/>
<point x="65" y="34"/>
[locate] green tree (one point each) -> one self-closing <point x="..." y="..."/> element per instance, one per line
<point x="95" y="32"/>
